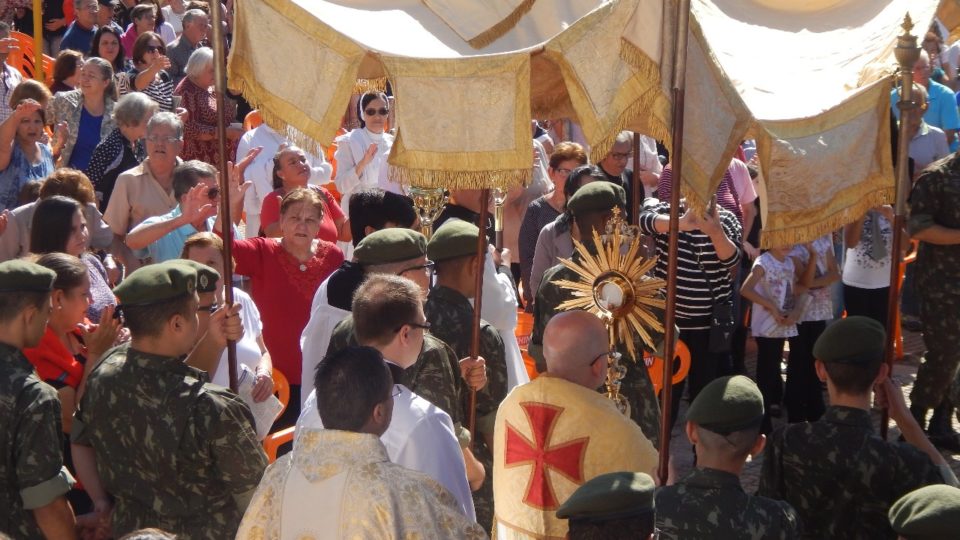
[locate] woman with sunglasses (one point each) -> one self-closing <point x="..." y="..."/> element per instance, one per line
<point x="362" y="153"/>
<point x="148" y="75"/>
<point x="556" y="238"/>
<point x="566" y="157"/>
<point x="200" y="127"/>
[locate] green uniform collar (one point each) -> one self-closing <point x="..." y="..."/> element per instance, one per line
<point x="164" y="364"/>
<point x="712" y="478"/>
<point x="847" y="416"/>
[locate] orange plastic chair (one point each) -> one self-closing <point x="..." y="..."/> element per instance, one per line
<point x="523" y="331"/>
<point x="252" y="120"/>
<point x="898" y="331"/>
<point x="274" y="441"/>
<point x="281" y="388"/>
<point x="655" y="367"/>
<point x="22" y="60"/>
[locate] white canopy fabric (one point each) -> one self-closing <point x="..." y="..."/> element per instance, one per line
<point x="810" y="80"/>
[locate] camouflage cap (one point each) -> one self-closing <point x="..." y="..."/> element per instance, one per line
<point x="727" y="404"/>
<point x="610" y="496"/>
<point x="455" y="238"/>
<point x="854" y="340"/>
<point x="391" y="245"/>
<point x="928" y="513"/>
<point x="19" y="275"/>
<point x="597" y="196"/>
<point x="157" y="283"/>
<point x="206" y="277"/>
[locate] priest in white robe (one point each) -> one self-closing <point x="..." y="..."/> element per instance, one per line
<point x="339" y="483"/>
<point x="388" y="316"/>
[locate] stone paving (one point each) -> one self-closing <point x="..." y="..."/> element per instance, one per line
<point x="904" y="372"/>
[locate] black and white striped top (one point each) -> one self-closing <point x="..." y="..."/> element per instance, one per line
<point x="695" y="294"/>
<point x="159" y="90"/>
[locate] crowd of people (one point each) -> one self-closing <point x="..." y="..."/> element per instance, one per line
<point x="116" y="420"/>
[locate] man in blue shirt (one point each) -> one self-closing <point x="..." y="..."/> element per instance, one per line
<point x="942" y="102"/>
<point x="161" y="238"/>
<point x="79" y="36"/>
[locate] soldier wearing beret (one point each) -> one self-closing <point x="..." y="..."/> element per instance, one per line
<point x="612" y="506"/>
<point x="35" y="481"/>
<point x="723" y="423"/>
<point x="838" y="474"/>
<point x="453" y="248"/>
<point x="928" y="513"/>
<point x="935" y="221"/>
<point x="592" y="206"/>
<point x="170" y="449"/>
<point x="438" y="375"/>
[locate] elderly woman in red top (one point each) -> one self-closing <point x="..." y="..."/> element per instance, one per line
<point x="285" y="273"/>
<point x="291" y="170"/>
<point x="71" y="346"/>
<point x="200" y="128"/>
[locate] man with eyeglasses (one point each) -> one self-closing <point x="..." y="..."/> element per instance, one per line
<point x="79" y="35"/>
<point x="388" y="316"/>
<point x="340" y="482"/>
<point x="620" y="157"/>
<point x="560" y="420"/>
<point x="147" y="189"/>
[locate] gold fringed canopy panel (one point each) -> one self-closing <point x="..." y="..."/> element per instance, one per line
<point x="467" y="76"/>
<point x="810" y="81"/>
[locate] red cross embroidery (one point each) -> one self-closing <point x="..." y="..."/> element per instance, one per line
<point x="565" y="458"/>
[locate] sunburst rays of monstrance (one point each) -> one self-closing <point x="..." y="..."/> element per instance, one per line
<point x="615" y="286"/>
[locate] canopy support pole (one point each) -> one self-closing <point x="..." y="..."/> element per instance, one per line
<point x="636" y="186"/>
<point x="907" y="53"/>
<point x="477" y="304"/>
<point x="676" y="153"/>
<point x="220" y="87"/>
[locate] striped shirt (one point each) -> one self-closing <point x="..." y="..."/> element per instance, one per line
<point x="160" y="89"/>
<point x="697" y="289"/>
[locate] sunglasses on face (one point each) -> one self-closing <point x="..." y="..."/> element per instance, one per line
<point x="213" y="193"/>
<point x="375" y="112"/>
<point x="155" y="48"/>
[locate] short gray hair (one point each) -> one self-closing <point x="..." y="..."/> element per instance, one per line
<point x="188" y="174"/>
<point x="190" y="15"/>
<point x="134" y="108"/>
<point x="624" y="137"/>
<point x="168" y="119"/>
<point x="198" y="60"/>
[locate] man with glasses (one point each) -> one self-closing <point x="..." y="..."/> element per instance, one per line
<point x="620" y="157"/>
<point x="79" y="35"/>
<point x="339" y="482"/>
<point x="388" y="316"/>
<point x="147" y="189"/>
<point x="559" y="421"/>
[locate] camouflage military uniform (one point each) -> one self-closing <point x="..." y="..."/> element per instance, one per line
<point x="935" y="200"/>
<point x="31" y="467"/>
<point x="709" y="504"/>
<point x="176" y="453"/>
<point x="635" y="386"/>
<point x="451" y="318"/>
<point x="431" y="378"/>
<point x="840" y="476"/>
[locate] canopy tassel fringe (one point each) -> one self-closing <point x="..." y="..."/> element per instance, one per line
<point x="275" y="119"/>
<point x="599" y="149"/>
<point x="798" y="235"/>
<point x="426" y="178"/>
<point x="363" y="86"/>
<point x="497" y="31"/>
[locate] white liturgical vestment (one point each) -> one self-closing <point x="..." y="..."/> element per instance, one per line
<point x="339" y="484"/>
<point x="420" y="438"/>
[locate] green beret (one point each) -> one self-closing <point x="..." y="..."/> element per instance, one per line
<point x="597" y="196"/>
<point x="19" y="275"/>
<point x="727" y="404"/>
<point x="928" y="513"/>
<point x="455" y="238"/>
<point x="610" y="496"/>
<point x="206" y="277"/>
<point x="157" y="283"/>
<point x="854" y="340"/>
<point x="391" y="245"/>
